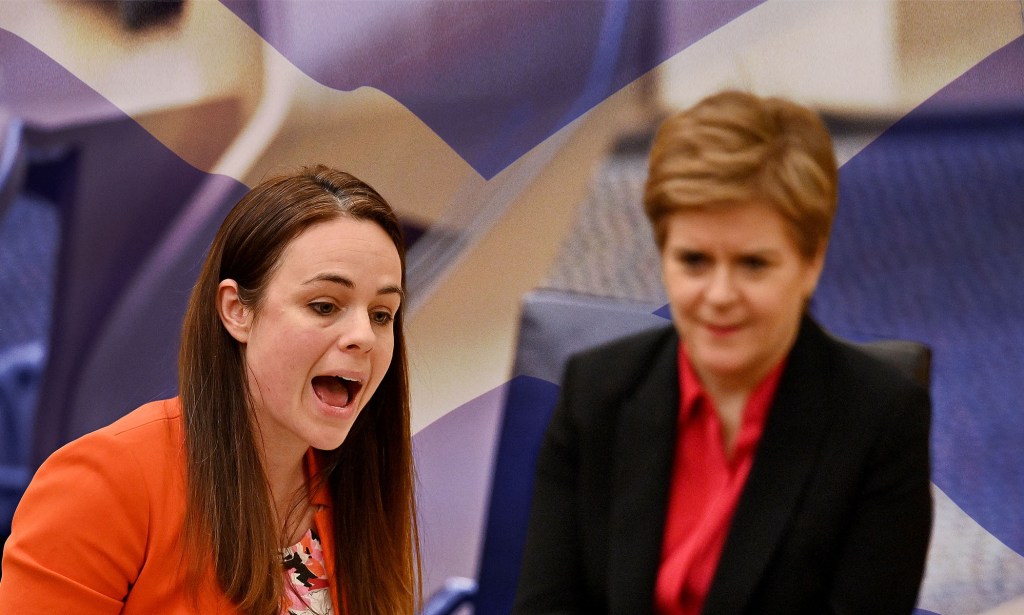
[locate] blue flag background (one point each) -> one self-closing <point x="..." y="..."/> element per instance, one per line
<point x="496" y="129"/>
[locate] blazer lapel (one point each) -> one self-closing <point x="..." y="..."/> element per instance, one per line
<point x="784" y="459"/>
<point x="643" y="455"/>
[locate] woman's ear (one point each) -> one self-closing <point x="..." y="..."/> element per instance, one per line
<point x="236" y="317"/>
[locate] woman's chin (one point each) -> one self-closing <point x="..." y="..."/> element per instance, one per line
<point x="328" y="440"/>
<point x="721" y="366"/>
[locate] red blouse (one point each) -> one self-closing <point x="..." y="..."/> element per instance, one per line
<point x="706" y="485"/>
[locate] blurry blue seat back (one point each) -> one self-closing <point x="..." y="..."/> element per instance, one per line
<point x="21" y="370"/>
<point x="553" y="325"/>
<point x="12" y="159"/>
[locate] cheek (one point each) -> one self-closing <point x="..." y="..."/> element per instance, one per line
<point x="383" y="353"/>
<point x="681" y="292"/>
<point x="672" y="277"/>
<point x="782" y="309"/>
<point x="282" y="348"/>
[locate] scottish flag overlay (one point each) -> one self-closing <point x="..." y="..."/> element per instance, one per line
<point x="511" y="138"/>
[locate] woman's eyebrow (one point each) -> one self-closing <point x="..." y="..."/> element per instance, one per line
<point x="330" y="277"/>
<point x="347" y="283"/>
<point x="392" y="290"/>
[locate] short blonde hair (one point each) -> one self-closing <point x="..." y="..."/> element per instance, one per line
<point x="735" y="147"/>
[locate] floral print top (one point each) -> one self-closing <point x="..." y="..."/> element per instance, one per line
<point x="306" y="588"/>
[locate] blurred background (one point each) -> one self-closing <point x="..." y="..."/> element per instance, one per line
<point x="511" y="139"/>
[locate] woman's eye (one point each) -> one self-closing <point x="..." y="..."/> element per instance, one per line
<point x="754" y="263"/>
<point x="382" y="318"/>
<point x="694" y="260"/>
<point x="322" y="308"/>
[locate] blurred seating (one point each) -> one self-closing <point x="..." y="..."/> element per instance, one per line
<point x="27" y="226"/>
<point x="21" y="370"/>
<point x="102" y="231"/>
<point x="12" y="159"/>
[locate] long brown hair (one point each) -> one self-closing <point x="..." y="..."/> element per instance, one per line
<point x="369" y="477"/>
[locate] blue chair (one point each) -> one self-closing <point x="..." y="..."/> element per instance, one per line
<point x="20" y="366"/>
<point x="127" y="222"/>
<point x="21" y="369"/>
<point x="12" y="159"/>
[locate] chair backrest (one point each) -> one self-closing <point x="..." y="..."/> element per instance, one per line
<point x="125" y="270"/>
<point x="12" y="159"/>
<point x="913" y="359"/>
<point x="20" y="364"/>
<point x="555" y="325"/>
<point x="21" y="369"/>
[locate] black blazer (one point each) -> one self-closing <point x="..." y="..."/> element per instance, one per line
<point x="835" y="516"/>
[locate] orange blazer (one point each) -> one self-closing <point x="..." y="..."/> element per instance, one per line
<point x="98" y="531"/>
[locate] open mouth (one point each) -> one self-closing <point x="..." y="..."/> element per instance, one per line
<point x="335" y="390"/>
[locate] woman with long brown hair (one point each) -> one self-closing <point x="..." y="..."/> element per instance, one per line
<point x="280" y="480"/>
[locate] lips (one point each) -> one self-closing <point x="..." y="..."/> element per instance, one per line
<point x="721" y="329"/>
<point x="335" y="390"/>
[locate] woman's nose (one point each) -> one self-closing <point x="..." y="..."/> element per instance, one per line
<point x="357" y="333"/>
<point x="721" y="286"/>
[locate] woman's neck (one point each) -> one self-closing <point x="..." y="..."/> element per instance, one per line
<point x="729" y="405"/>
<point x="286" y="478"/>
<point x="729" y="396"/>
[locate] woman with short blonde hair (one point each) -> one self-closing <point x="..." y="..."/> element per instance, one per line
<point x="741" y="460"/>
